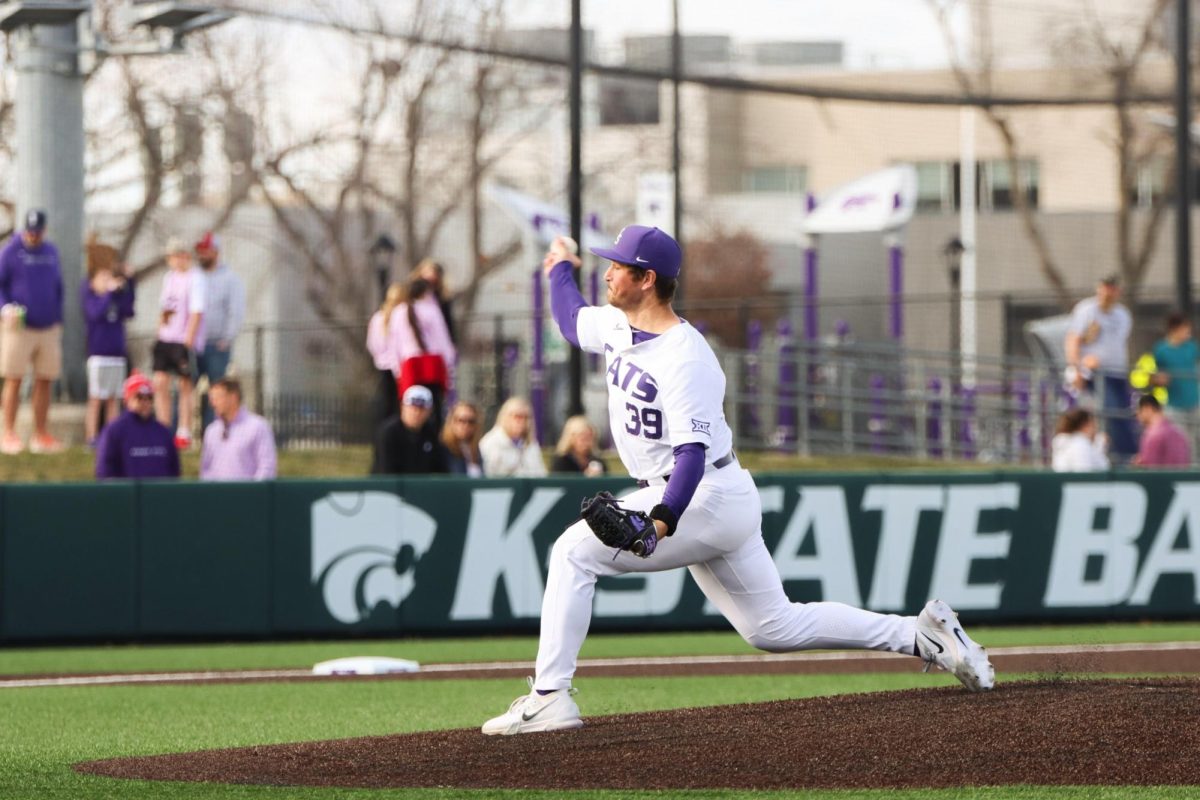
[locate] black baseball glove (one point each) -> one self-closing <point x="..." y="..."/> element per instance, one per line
<point x="619" y="527"/>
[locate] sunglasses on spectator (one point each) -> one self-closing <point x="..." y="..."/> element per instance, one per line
<point x="466" y="420"/>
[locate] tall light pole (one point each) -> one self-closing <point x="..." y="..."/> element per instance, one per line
<point x="1183" y="158"/>
<point x="575" y="185"/>
<point x="382" y="252"/>
<point x="676" y="142"/>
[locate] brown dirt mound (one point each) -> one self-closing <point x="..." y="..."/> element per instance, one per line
<point x="1114" y="732"/>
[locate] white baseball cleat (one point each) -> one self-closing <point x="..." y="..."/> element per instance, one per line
<point x="942" y="642"/>
<point x="535" y="713"/>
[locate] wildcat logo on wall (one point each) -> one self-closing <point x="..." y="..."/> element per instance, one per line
<point x="357" y="539"/>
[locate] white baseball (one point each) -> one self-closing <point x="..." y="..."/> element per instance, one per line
<point x="569" y="243"/>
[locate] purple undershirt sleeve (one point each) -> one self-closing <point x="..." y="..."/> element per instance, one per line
<point x="685" y="477"/>
<point x="565" y="300"/>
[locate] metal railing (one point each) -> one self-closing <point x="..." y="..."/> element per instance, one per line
<point x="818" y="399"/>
<point x="788" y="395"/>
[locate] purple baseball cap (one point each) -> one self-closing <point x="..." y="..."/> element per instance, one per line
<point x="647" y="248"/>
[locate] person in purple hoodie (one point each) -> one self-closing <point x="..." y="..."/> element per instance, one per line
<point x="135" y="444"/>
<point x="107" y="295"/>
<point x="31" y="308"/>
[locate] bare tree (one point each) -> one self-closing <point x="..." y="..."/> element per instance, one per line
<point x="1137" y="147"/>
<point x="726" y="272"/>
<point x="420" y="134"/>
<point x="1119" y="62"/>
<point x="332" y="261"/>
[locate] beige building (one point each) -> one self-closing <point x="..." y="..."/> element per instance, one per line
<point x="750" y="159"/>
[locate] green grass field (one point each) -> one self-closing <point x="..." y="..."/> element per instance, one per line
<point x="46" y="730"/>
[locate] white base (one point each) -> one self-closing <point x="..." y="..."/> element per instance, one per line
<point x="365" y="665"/>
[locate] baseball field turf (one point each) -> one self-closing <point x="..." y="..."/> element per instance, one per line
<point x="47" y="730"/>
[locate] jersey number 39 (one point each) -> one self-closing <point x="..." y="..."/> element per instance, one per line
<point x="645" y="422"/>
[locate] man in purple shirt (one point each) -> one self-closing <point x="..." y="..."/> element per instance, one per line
<point x="1163" y="444"/>
<point x="31" y="302"/>
<point x="107" y="296"/>
<point x="135" y="444"/>
<point x="238" y="445"/>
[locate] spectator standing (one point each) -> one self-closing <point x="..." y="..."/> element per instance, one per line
<point x="107" y="295"/>
<point x="509" y="449"/>
<point x="1175" y="358"/>
<point x="135" y="444"/>
<point x="406" y="444"/>
<point x="180" y="331"/>
<point x="576" y="449"/>
<point x="239" y="445"/>
<point x="460" y="436"/>
<point x="420" y="342"/>
<point x="379" y="345"/>
<point x="433" y="273"/>
<point x="224" y="313"/>
<point x="1077" y="446"/>
<point x="31" y="308"/>
<point x="1097" y="350"/>
<point x="1163" y="444"/>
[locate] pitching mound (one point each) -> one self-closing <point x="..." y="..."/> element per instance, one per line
<point x="1111" y="732"/>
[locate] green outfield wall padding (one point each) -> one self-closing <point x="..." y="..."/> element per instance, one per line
<point x="428" y="556"/>
<point x="205" y="559"/>
<point x="70" y="561"/>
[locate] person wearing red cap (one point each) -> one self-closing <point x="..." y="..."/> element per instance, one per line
<point x="224" y="312"/>
<point x="135" y="444"/>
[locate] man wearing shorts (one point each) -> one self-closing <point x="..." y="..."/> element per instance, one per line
<point x="31" y="303"/>
<point x="107" y="296"/>
<point x="180" y="330"/>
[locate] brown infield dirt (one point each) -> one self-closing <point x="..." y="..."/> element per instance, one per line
<point x="1051" y="731"/>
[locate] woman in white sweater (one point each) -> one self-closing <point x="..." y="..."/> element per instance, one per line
<point x="1076" y="446"/>
<point x="509" y="449"/>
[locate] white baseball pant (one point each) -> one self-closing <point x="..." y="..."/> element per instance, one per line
<point x="719" y="540"/>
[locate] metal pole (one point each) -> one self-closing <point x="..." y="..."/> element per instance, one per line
<point x="259" y="369"/>
<point x="785" y="411"/>
<point x="537" y="371"/>
<point x="966" y="235"/>
<point x="575" y="187"/>
<point x="896" y="286"/>
<point x="811" y="290"/>
<point x="676" y="144"/>
<point x="498" y="395"/>
<point x="1183" y="159"/>
<point x="49" y="115"/>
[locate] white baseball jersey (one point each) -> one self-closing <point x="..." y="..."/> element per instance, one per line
<point x="662" y="393"/>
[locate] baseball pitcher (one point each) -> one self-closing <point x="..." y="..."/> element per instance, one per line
<point x="696" y="506"/>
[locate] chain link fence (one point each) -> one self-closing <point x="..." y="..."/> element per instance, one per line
<point x="831" y="396"/>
